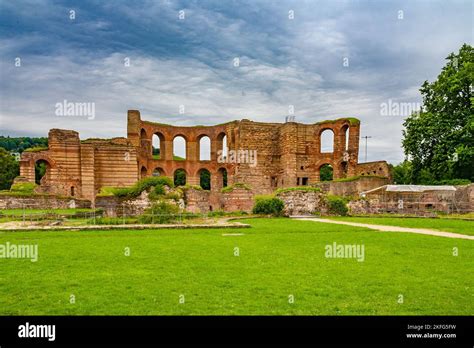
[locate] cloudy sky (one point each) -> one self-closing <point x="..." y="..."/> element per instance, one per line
<point x="176" y="61"/>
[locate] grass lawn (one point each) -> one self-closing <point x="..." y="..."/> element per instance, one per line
<point x="447" y="225"/>
<point x="278" y="258"/>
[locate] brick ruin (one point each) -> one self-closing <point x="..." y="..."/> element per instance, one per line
<point x="287" y="155"/>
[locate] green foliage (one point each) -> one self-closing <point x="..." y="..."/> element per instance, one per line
<point x="36" y="149"/>
<point x="9" y="169"/>
<point x="268" y="205"/>
<point x="157" y="182"/>
<point x="40" y="170"/>
<point x="439" y="140"/>
<point x="160" y="213"/>
<point x="298" y="188"/>
<point x="402" y="173"/>
<point x="231" y="188"/>
<point x="180" y="177"/>
<point x="21" y="143"/>
<point x="357" y="177"/>
<point x="205" y="179"/>
<point x="24" y="187"/>
<point x="337" y="205"/>
<point x="326" y="173"/>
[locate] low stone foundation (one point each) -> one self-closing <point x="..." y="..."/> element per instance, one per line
<point x="42" y="202"/>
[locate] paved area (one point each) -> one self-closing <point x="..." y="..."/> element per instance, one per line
<point x="386" y="228"/>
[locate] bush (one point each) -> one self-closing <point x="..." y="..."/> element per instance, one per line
<point x="160" y="213"/>
<point x="268" y="205"/>
<point x="337" y="205"/>
<point x="139" y="187"/>
<point x="24" y="187"/>
<point x="453" y="182"/>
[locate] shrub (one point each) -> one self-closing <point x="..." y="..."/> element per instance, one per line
<point x="268" y="205"/>
<point x="453" y="182"/>
<point x="337" y="205"/>
<point x="24" y="187"/>
<point x="139" y="187"/>
<point x="160" y="213"/>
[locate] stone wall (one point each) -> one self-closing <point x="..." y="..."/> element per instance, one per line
<point x="379" y="168"/>
<point x="238" y="199"/>
<point x="42" y="202"/>
<point x="352" y="188"/>
<point x="302" y="202"/>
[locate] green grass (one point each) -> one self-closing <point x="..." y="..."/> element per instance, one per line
<point x="446" y="225"/>
<point x="278" y="258"/>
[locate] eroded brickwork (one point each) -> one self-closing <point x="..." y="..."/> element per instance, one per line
<point x="266" y="156"/>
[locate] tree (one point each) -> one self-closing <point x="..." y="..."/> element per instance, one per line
<point x="402" y="173"/>
<point x="439" y="139"/>
<point x="9" y="169"/>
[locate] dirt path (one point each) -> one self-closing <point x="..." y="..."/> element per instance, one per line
<point x="386" y="228"/>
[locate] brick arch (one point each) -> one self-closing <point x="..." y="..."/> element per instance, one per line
<point x="161" y="170"/>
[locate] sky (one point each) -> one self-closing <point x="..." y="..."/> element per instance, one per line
<point x="208" y="62"/>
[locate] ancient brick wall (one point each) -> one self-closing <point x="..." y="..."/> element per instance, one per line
<point x="379" y="168"/>
<point x="287" y="155"/>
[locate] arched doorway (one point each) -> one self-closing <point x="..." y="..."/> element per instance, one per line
<point x="204" y="179"/>
<point x="326" y="172"/>
<point x="42" y="171"/>
<point x="158" y="146"/>
<point x="179" y="177"/>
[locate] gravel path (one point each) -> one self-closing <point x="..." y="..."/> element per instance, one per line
<point x="386" y="228"/>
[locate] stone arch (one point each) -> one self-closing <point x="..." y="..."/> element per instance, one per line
<point x="178" y="177"/>
<point x="204" y="178"/>
<point x="180" y="144"/>
<point x="204" y="147"/>
<point x="158" y="145"/>
<point x="326" y="140"/>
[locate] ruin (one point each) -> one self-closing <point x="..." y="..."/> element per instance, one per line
<point x="261" y="156"/>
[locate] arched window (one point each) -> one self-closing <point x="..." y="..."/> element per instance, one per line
<point x="158" y="146"/>
<point x="326" y="172"/>
<point x="205" y="179"/>
<point x="327" y="141"/>
<point x="205" y="148"/>
<point x="179" y="177"/>
<point x="179" y="148"/>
